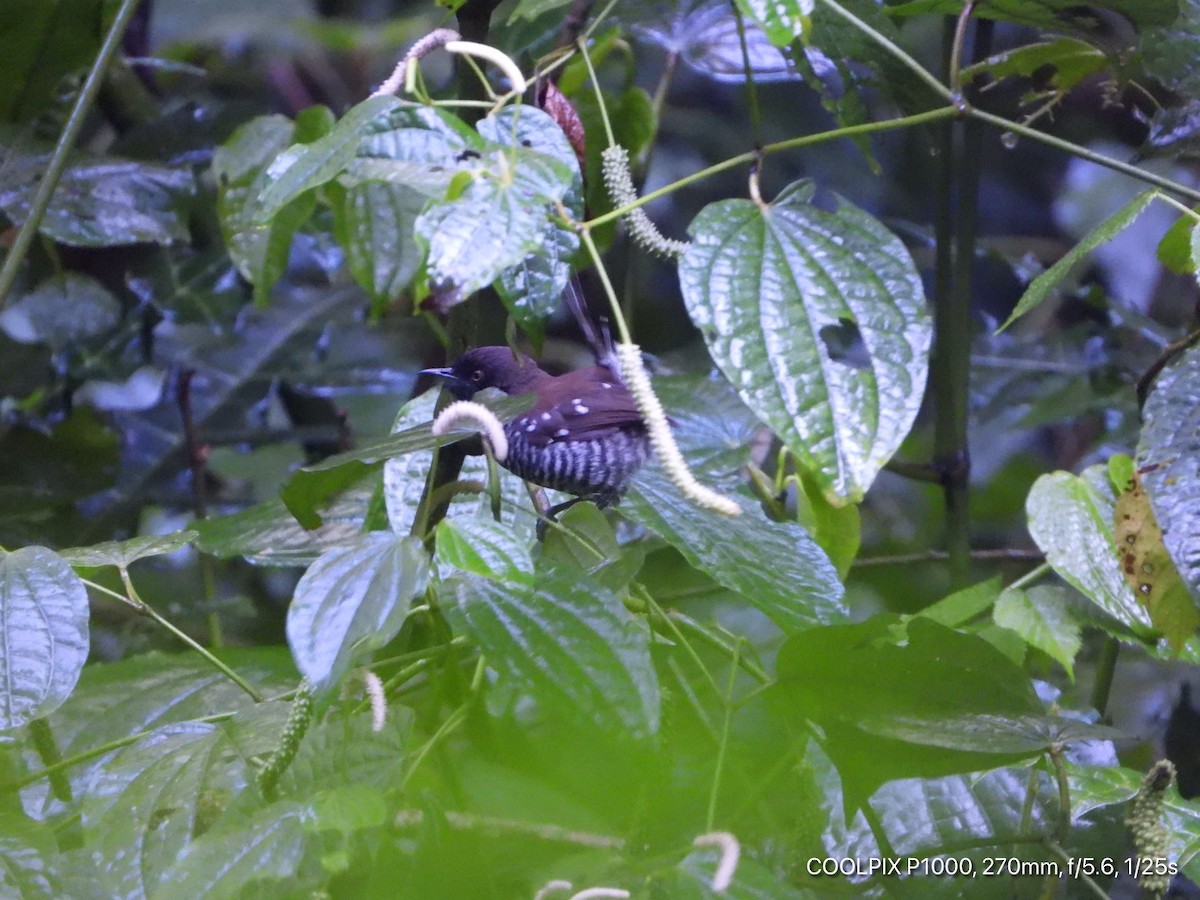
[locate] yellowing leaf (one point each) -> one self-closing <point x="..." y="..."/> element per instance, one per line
<point x="1148" y="568"/>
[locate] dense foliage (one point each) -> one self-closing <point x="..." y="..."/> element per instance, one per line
<point x="262" y="633"/>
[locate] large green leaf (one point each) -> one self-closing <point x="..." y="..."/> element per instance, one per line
<point x="352" y="600"/>
<point x="486" y="548"/>
<point x="782" y="294"/>
<point x="373" y="222"/>
<point x="1172" y="53"/>
<point x="43" y="634"/>
<point x="115" y="701"/>
<point x="1169" y="460"/>
<point x="29" y="853"/>
<point x="125" y="553"/>
<point x="531" y="289"/>
<point x="1041" y="286"/>
<point x="146" y="804"/>
<point x="493" y="222"/>
<point x="564" y="640"/>
<point x="45" y="41"/>
<point x="100" y="202"/>
<point x="939" y="703"/>
<point x="1071" y="520"/>
<point x="266" y="846"/>
<point x="775" y="566"/>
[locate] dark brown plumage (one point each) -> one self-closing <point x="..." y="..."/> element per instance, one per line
<point x="583" y="435"/>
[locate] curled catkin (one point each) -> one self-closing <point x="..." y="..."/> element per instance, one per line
<point x="476" y="414"/>
<point x="731" y="852"/>
<point x="633" y="372"/>
<point x="617" y="178"/>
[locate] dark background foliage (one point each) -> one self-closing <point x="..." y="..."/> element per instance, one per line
<point x="165" y="365"/>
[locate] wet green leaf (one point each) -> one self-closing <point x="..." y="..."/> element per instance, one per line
<point x="816" y="314"/>
<point x="352" y="600"/>
<point x="43" y="634"/>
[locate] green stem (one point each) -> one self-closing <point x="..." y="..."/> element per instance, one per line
<point x="1064" y="793"/>
<point x="721" y="749"/>
<point x="934" y="115"/>
<point x="587" y="61"/>
<point x="751" y="87"/>
<point x="52" y="770"/>
<point x="950" y="365"/>
<point x="960" y="36"/>
<point x="1086" y="879"/>
<point x="957" y="108"/>
<point x="66" y="141"/>
<point x="1029" y="577"/>
<point x="1083" y="153"/>
<point x="1106" y="666"/>
<point x="146" y="609"/>
<point x="48" y="753"/>
<point x="585" y="234"/>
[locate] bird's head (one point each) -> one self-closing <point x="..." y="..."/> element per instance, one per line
<point x="486" y="367"/>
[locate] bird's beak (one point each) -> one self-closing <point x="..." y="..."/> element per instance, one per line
<point x="455" y="385"/>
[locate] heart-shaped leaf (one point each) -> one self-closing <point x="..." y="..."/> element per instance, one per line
<point x="43" y="633"/>
<point x="816" y="314"/>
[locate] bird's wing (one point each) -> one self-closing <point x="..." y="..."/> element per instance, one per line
<point x="586" y="405"/>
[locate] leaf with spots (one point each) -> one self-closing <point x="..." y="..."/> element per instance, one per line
<point x="1070" y="519"/>
<point x="1147" y="566"/>
<point x="816" y="314"/>
<point x="1169" y="460"/>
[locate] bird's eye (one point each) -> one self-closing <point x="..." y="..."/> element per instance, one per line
<point x="477" y="375"/>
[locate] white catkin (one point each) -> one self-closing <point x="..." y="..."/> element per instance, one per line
<point x="634" y="373"/>
<point x="476" y="414"/>
<point x="421" y="48"/>
<point x="731" y="852"/>
<point x="375" y="694"/>
<point x="516" y="81"/>
<point x="617" y="178"/>
<point x="552" y="887"/>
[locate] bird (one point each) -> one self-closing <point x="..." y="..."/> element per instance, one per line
<point x="583" y="435"/>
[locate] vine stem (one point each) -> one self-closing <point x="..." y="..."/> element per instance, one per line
<point x="1106" y="666"/>
<point x="66" y="140"/>
<point x="1084" y="153"/>
<point x="934" y="115"/>
<point x="957" y="107"/>
<point x="51" y="770"/>
<point x="146" y="609"/>
<point x="715" y="791"/>
<point x="1029" y="577"/>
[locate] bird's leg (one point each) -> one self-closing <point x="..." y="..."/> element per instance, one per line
<point x="551" y="515"/>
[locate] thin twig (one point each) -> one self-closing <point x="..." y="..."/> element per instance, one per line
<point x="1002" y="555"/>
